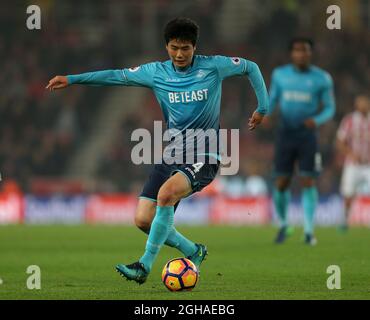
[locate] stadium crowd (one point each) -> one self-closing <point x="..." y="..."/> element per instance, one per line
<point x="40" y="132"/>
<point x="268" y="47"/>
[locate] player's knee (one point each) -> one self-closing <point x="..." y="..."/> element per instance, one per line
<point x="142" y="224"/>
<point x="167" y="196"/>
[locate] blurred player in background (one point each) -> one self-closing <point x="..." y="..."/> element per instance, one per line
<point x="188" y="89"/>
<point x="299" y="88"/>
<point x="353" y="141"/>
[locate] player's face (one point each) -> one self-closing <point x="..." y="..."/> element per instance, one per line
<point x="180" y="52"/>
<point x="362" y="104"/>
<point x="301" y="54"/>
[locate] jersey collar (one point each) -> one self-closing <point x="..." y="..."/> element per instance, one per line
<point x="184" y="71"/>
<point x="309" y="68"/>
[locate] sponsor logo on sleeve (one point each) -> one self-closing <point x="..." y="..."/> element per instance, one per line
<point x="235" y="61"/>
<point x="133" y="69"/>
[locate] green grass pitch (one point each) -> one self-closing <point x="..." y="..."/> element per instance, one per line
<point x="77" y="262"/>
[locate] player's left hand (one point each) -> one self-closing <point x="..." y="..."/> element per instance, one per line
<point x="255" y="120"/>
<point x="310" y="123"/>
<point x="58" y="82"/>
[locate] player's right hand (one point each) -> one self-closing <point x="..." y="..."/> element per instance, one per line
<point x="255" y="120"/>
<point x="58" y="82"/>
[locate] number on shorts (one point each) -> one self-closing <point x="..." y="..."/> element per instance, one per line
<point x="197" y="166"/>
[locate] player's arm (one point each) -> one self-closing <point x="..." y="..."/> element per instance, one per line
<point x="139" y="76"/>
<point x="97" y="78"/>
<point x="256" y="79"/>
<point x="228" y="67"/>
<point x="274" y="91"/>
<point x="259" y="86"/>
<point x="328" y="103"/>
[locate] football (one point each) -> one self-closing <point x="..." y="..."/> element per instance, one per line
<point x="180" y="274"/>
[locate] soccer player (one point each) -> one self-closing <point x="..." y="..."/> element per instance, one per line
<point x="353" y="141"/>
<point x="299" y="88"/>
<point x="188" y="90"/>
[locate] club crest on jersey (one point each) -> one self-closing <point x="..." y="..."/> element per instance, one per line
<point x="235" y="61"/>
<point x="133" y="69"/>
<point x="200" y="74"/>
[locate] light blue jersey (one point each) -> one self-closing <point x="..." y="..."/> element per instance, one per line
<point x="300" y="94"/>
<point x="190" y="98"/>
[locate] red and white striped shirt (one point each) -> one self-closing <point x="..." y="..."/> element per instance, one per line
<point x="354" y="130"/>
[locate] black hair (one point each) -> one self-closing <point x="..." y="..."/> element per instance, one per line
<point x="295" y="40"/>
<point x="183" y="29"/>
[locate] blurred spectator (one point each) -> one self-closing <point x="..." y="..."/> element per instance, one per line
<point x="41" y="132"/>
<point x="267" y="44"/>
